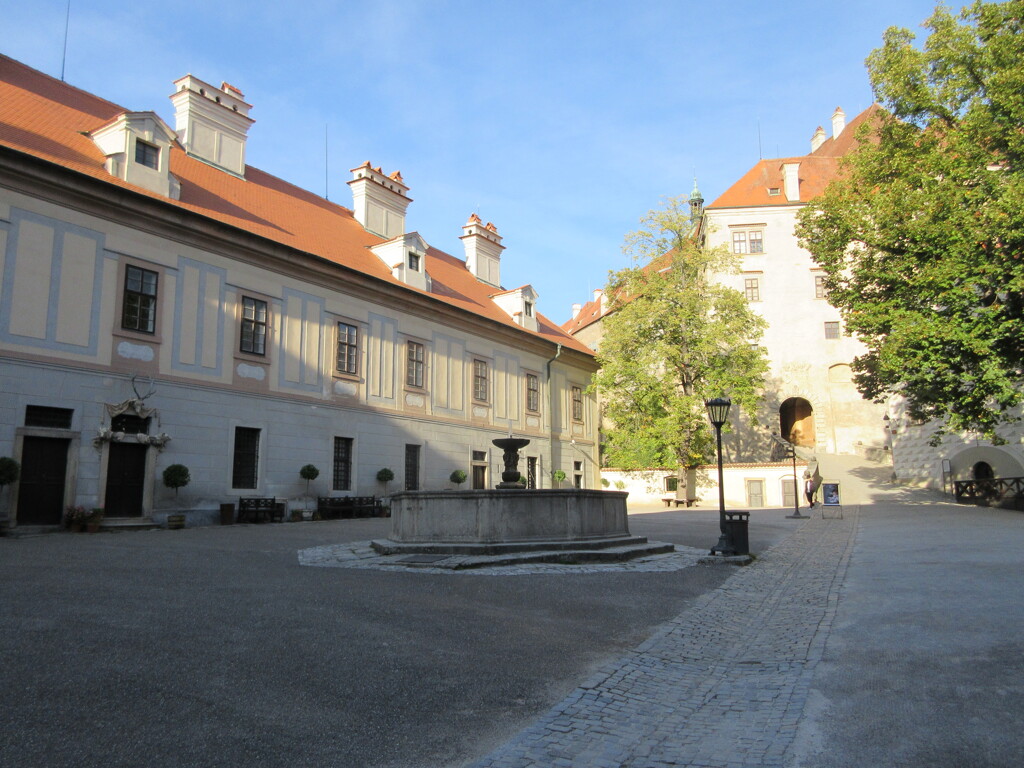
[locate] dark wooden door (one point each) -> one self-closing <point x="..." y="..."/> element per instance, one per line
<point x="44" y="463"/>
<point x="126" y="479"/>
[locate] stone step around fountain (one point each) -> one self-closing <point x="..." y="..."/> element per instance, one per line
<point x="456" y="562"/>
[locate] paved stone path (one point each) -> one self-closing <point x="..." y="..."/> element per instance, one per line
<point x="359" y="554"/>
<point x="723" y="685"/>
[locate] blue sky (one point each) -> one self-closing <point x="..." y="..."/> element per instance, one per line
<point x="561" y="122"/>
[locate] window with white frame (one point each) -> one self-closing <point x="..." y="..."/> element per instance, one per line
<point x="138" y="312"/>
<point x="752" y="288"/>
<point x="819" y="287"/>
<point x="832" y="330"/>
<point x="481" y="381"/>
<point x="253" y="336"/>
<point x="532" y="392"/>
<point x="414" y="364"/>
<point x="748" y="241"/>
<point x="348" y="349"/>
<point x="577" y="403"/>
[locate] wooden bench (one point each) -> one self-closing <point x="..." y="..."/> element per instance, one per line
<point x="333" y="507"/>
<point x="670" y="500"/>
<point x="257" y="509"/>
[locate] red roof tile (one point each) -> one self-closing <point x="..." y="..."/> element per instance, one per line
<point x="817" y="169"/>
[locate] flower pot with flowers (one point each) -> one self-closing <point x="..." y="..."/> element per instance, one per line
<point x="74" y="517"/>
<point x="92" y="523"/>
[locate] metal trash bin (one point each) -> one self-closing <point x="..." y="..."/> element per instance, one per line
<point x="736" y="532"/>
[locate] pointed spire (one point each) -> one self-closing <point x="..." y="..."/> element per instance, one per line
<point x="696" y="202"/>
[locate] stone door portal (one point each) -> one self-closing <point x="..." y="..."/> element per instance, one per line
<point x="796" y="419"/>
<point x="126" y="480"/>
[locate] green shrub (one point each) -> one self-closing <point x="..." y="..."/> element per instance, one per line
<point x="177" y="476"/>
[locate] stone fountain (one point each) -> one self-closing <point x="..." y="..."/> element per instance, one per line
<point x="507" y="525"/>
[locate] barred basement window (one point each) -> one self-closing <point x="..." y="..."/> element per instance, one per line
<point x="246" y="458"/>
<point x="342" y="480"/>
<point x="832" y="330"/>
<point x="412" y="467"/>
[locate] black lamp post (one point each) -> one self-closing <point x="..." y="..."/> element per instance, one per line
<point x="718" y="414"/>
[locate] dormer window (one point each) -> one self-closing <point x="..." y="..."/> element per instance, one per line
<point x="414" y="261"/>
<point x="528" y="308"/>
<point x="147" y="154"/>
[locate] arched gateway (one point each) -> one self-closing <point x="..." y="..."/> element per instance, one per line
<point x="796" y="420"/>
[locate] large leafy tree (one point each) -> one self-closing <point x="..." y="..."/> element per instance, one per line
<point x="922" y="235"/>
<point x="675" y="337"/>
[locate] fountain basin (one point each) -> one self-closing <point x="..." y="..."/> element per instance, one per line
<point x="491" y="522"/>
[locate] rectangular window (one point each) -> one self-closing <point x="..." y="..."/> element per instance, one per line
<point x="246" y="459"/>
<point x="479" y="455"/>
<point x="130" y="424"/>
<point x="44" y="416"/>
<point x="254" y="326"/>
<point x="577" y="404"/>
<point x="414" y="261"/>
<point x="348" y="348"/>
<point x="752" y="288"/>
<point x="819" y="286"/>
<point x="139" y="310"/>
<point x="531" y="471"/>
<point x="480" y="381"/>
<point x="748" y="241"/>
<point x="342" y="480"/>
<point x="832" y="330"/>
<point x="532" y="392"/>
<point x="414" y="364"/>
<point x="577" y="474"/>
<point x="147" y="154"/>
<point x="739" y="242"/>
<point x="412" y="467"/>
<point x="528" y="308"/>
<point x="671" y="483"/>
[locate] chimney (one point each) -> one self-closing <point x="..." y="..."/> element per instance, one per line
<point x="576" y="310"/>
<point x="791" y="179"/>
<point x="483" y="250"/>
<point x="379" y="201"/>
<point x="817" y="139"/>
<point x="211" y="122"/>
<point x="838" y="122"/>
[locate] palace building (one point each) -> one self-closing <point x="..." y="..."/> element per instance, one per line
<point x="162" y="302"/>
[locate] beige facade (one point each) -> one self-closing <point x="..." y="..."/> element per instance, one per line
<point x="244" y="328"/>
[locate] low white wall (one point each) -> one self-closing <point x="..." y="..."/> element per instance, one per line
<point x="649" y="485"/>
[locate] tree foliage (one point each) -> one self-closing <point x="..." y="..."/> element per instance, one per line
<point x="922" y="235"/>
<point x="676" y="337"/>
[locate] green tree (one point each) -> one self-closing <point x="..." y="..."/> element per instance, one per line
<point x="676" y="337"/>
<point x="922" y="234"/>
<point x="177" y="476"/>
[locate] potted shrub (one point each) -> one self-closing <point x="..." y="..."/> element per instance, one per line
<point x="458" y="477"/>
<point x="385" y="476"/>
<point x="177" y="476"/>
<point x="92" y="522"/>
<point x="75" y="517"/>
<point x="307" y="473"/>
<point x="558" y="476"/>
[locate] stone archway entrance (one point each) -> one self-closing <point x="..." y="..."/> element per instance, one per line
<point x="796" y="419"/>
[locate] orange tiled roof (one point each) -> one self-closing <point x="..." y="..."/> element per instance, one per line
<point x="817" y="169"/>
<point x="48" y="119"/>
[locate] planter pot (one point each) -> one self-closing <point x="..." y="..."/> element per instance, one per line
<point x="296" y="516"/>
<point x="175" y="522"/>
<point x="75" y="527"/>
<point x="92" y="526"/>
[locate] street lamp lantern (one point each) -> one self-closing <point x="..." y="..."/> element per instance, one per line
<point x="718" y="414"/>
<point x="718" y="411"/>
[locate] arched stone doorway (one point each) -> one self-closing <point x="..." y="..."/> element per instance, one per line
<point x="796" y="419"/>
<point x="983" y="471"/>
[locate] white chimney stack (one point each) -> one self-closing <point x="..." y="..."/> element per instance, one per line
<point x="838" y="122"/>
<point x="483" y="250"/>
<point x="212" y="122"/>
<point x="379" y="201"/>
<point x="817" y="139"/>
<point x="791" y="179"/>
<point x="576" y="310"/>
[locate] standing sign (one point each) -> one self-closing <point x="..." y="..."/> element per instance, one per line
<point x="830" y="498"/>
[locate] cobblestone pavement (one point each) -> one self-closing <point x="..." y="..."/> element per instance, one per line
<point x="723" y="685"/>
<point x="359" y="554"/>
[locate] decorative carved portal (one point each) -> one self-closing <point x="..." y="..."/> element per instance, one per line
<point x="796" y="419"/>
